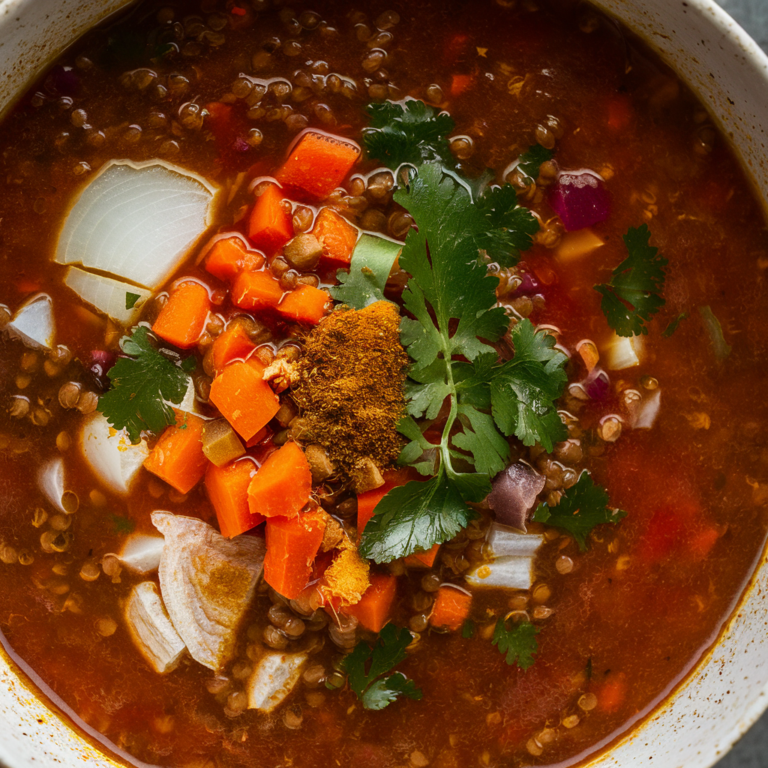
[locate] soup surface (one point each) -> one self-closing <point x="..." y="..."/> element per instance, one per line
<point x="602" y="617"/>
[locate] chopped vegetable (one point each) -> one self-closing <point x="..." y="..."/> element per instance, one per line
<point x="374" y="687"/>
<point x="142" y="383"/>
<point x="228" y="491"/>
<point x="305" y="304"/>
<point x="178" y="457"/>
<point x="33" y="322"/>
<point x="581" y="508"/>
<point x="292" y="545"/>
<point x="245" y="400"/>
<point x="580" y="200"/>
<point x="451" y="608"/>
<point x="633" y="295"/>
<point x="426" y="559"/>
<point x="229" y="257"/>
<point x="622" y="352"/>
<point x="232" y="344"/>
<point x="182" y="320"/>
<point x="273" y="679"/>
<point x="270" y="226"/>
<point x="256" y="290"/>
<point x="514" y="494"/>
<point x="518" y="643"/>
<point x="141" y="553"/>
<point x="374" y="607"/>
<point x="282" y="485"/>
<point x="714" y="330"/>
<point x="337" y="237"/>
<point x="115" y="298"/>
<point x="318" y="164"/>
<point x="575" y="245"/>
<point x="220" y="443"/>
<point x="412" y="133"/>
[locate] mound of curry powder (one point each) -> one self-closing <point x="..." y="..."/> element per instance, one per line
<point x="350" y="385"/>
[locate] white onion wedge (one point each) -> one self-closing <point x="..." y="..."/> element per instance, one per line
<point x="623" y="352"/>
<point x="50" y="480"/>
<point x="137" y="221"/>
<point x="110" y="454"/>
<point x="645" y="415"/>
<point x="141" y="552"/>
<point x="512" y="566"/>
<point x="273" y="679"/>
<point x="33" y="322"/>
<point x="505" y="542"/>
<point x="106" y="294"/>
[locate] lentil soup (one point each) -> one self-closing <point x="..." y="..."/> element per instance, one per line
<point x="359" y="607"/>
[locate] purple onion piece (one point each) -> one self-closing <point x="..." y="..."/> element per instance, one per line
<point x="240" y="145"/>
<point x="580" y="199"/>
<point x="514" y="494"/>
<point x="529" y="287"/>
<point x="101" y="362"/>
<point x="597" y="385"/>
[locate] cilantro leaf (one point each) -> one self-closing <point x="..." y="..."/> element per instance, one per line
<point x="373" y="686"/>
<point x="531" y="160"/>
<point x="518" y="643"/>
<point x="582" y="507"/>
<point x="468" y="629"/>
<point x="409" y="132"/>
<point x="672" y="327"/>
<point x="633" y="295"/>
<point x="131" y="299"/>
<point x="141" y="385"/>
<point x="364" y="282"/>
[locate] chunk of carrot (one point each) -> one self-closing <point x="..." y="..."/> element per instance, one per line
<point x="245" y="400"/>
<point x="318" y="164"/>
<point x="451" y="608"/>
<point x="256" y="290"/>
<point x="292" y="545"/>
<point x="282" y="485"/>
<point x="305" y="304"/>
<point x="182" y="320"/>
<point x="231" y="344"/>
<point x="337" y="236"/>
<point x="270" y="226"/>
<point x="373" y="610"/>
<point x="178" y="456"/>
<point x="229" y="257"/>
<point x="612" y="693"/>
<point x="419" y="559"/>
<point x="259" y="437"/>
<point x="227" y="488"/>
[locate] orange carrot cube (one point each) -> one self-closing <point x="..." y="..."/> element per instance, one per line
<point x="256" y="290"/>
<point x="282" y="485"/>
<point x="178" y="457"/>
<point x="232" y="344"/>
<point x="227" y="488"/>
<point x="182" y="320"/>
<point x="270" y="226"/>
<point x="229" y="257"/>
<point x="305" y="304"/>
<point x="451" y="608"/>
<point x="337" y="236"/>
<point x="373" y="610"/>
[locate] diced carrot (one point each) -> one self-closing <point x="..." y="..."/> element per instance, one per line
<point x="270" y="226"/>
<point x="318" y="164"/>
<point x="231" y="344"/>
<point x="451" y="608"/>
<point x="227" y="488"/>
<point x="460" y="84"/>
<point x="178" y="456"/>
<point x="282" y="485"/>
<point x="374" y="608"/>
<point x="292" y="544"/>
<point x="256" y="290"/>
<point x="305" y="304"/>
<point x="620" y="113"/>
<point x="702" y="542"/>
<point x="337" y="236"/>
<point x="245" y="400"/>
<point x="427" y="558"/>
<point x="259" y="437"/>
<point x="611" y="694"/>
<point x="229" y="257"/>
<point x="182" y="320"/>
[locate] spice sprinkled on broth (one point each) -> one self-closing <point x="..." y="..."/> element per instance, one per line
<point x="378" y="383"/>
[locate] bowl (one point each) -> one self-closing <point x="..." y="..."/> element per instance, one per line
<point x="700" y="719"/>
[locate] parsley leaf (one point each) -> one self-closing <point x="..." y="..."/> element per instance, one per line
<point x="632" y="296"/>
<point x="582" y="507"/>
<point x="141" y="385"/>
<point x="518" y="643"/>
<point x="374" y="687"/>
<point x="409" y="132"/>
<point x="131" y="299"/>
<point x="531" y="160"/>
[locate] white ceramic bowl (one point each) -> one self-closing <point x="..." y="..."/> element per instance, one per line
<point x="728" y="691"/>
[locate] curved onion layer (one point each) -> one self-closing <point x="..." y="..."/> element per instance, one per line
<point x="136" y="221"/>
<point x="107" y="295"/>
<point x="50" y="480"/>
<point x="645" y="416"/>
<point x="512" y="566"/>
<point x="622" y="352"/>
<point x="273" y="679"/>
<point x="141" y="552"/>
<point x="33" y="322"/>
<point x="110" y="454"/>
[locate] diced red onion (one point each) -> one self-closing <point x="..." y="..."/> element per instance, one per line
<point x="529" y="287"/>
<point x="101" y="362"/>
<point x="597" y="385"/>
<point x="514" y="494"/>
<point x="240" y="145"/>
<point x="580" y="199"/>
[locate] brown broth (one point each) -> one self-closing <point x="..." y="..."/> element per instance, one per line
<point x="634" y="616"/>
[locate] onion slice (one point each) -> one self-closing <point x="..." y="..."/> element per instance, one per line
<point x="33" y="322"/>
<point x="106" y="294"/>
<point x="137" y="221"/>
<point x="512" y="565"/>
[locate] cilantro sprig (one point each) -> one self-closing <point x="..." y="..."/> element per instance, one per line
<point x="633" y="294"/>
<point x="531" y="160"/>
<point x="581" y="508"/>
<point x="453" y="316"/>
<point x="143" y="384"/>
<point x="371" y="682"/>
<point x="517" y="642"/>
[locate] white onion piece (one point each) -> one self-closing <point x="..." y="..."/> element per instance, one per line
<point x="504" y="542"/>
<point x="189" y="403"/>
<point x="106" y="294"/>
<point x="110" y="454"/>
<point x="512" y="566"/>
<point x="33" y="322"/>
<point x="273" y="679"/>
<point x="141" y="552"/>
<point x="623" y="352"/>
<point x="50" y="480"/>
<point x="137" y="221"/>
<point x="645" y="415"/>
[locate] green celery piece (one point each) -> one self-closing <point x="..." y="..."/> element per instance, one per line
<point x="369" y="270"/>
